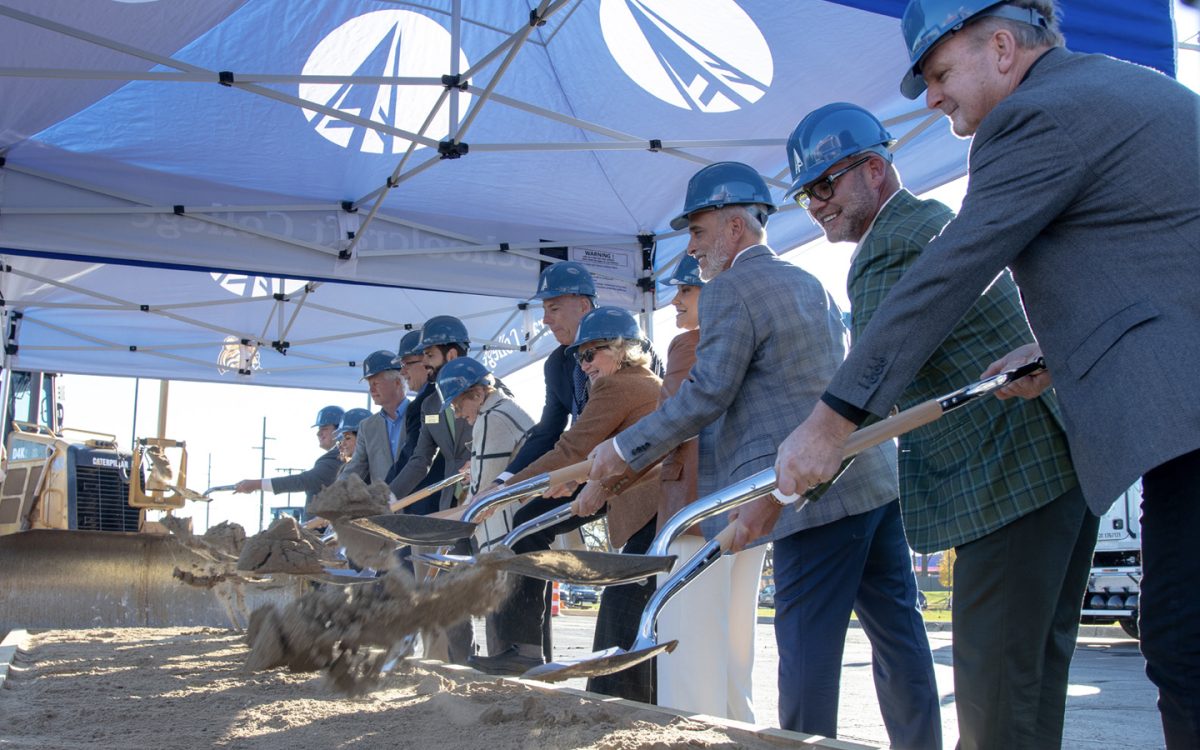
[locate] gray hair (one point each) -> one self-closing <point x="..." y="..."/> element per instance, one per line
<point x="390" y="375"/>
<point x="750" y="217"/>
<point x="1026" y="35"/>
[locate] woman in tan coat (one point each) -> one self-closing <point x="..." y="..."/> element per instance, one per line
<point x="622" y="390"/>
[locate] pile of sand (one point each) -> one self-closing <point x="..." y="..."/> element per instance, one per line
<point x="348" y="632"/>
<point x="285" y="547"/>
<point x="183" y="688"/>
<point x="350" y="497"/>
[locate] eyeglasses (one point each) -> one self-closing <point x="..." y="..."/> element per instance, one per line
<point x="822" y="189"/>
<point x="586" y="357"/>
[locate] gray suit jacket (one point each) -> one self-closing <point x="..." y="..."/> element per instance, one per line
<point x="436" y="435"/>
<point x="1084" y="182"/>
<point x="310" y="482"/>
<point x="770" y="338"/>
<point x="373" y="459"/>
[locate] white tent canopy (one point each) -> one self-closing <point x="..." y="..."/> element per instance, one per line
<point x="169" y="167"/>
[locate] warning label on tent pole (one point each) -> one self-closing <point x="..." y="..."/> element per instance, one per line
<point x="615" y="271"/>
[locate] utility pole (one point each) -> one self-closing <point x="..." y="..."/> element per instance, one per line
<point x="133" y="427"/>
<point x="208" y="505"/>
<point x="262" y="464"/>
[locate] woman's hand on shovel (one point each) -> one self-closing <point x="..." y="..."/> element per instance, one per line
<point x="591" y="500"/>
<point x="754" y="519"/>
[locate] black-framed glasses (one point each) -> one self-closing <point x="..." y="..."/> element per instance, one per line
<point x="584" y="358"/>
<point x="822" y="189"/>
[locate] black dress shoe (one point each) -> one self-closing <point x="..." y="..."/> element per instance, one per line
<point x="507" y="662"/>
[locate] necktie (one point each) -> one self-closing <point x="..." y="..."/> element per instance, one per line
<point x="580" y="394"/>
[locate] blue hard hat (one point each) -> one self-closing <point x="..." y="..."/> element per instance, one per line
<point x="329" y="415"/>
<point x="351" y="420"/>
<point x="442" y="330"/>
<point x="566" y="277"/>
<point x="410" y="344"/>
<point x="687" y="272"/>
<point x="377" y="362"/>
<point x="726" y="183"/>
<point x="927" y="22"/>
<point x="827" y="135"/>
<point x="604" y="324"/>
<point x="457" y="376"/>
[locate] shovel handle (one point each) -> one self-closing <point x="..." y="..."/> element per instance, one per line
<point x="421" y="494"/>
<point x="892" y="427"/>
<point x="573" y="473"/>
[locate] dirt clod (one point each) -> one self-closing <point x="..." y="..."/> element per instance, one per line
<point x="285" y="547"/>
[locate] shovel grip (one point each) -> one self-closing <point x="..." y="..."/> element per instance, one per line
<point x="573" y="473"/>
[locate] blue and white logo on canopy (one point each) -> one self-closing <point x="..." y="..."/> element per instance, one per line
<point x="704" y="55"/>
<point x="385" y="43"/>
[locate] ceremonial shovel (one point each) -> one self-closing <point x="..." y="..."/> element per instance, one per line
<point x="753" y="487"/>
<point x="434" y="530"/>
<point x="585" y="567"/>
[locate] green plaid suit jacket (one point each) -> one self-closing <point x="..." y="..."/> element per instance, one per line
<point x="988" y="463"/>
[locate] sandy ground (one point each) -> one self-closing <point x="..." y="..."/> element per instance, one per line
<point x="189" y="687"/>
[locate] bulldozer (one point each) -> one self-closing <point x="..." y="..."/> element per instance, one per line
<point x="76" y="547"/>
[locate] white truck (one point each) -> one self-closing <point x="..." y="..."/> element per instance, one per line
<point x="1115" y="580"/>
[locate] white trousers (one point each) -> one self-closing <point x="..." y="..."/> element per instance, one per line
<point x="713" y="618"/>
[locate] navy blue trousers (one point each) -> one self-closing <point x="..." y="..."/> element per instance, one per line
<point x="859" y="563"/>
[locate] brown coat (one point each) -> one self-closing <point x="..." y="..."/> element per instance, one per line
<point x="680" y="466"/>
<point x="614" y="403"/>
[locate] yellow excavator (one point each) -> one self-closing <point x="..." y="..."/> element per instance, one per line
<point x="76" y="549"/>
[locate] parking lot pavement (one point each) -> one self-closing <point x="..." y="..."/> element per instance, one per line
<point x="1110" y="702"/>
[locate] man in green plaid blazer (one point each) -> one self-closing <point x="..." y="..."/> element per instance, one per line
<point x="993" y="480"/>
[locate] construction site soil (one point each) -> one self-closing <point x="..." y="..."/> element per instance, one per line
<point x="190" y="687"/>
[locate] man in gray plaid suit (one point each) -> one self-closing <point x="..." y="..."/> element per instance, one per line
<point x="770" y="337"/>
<point x="985" y="480"/>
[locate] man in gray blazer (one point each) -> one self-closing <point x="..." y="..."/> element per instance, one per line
<point x="441" y="432"/>
<point x="381" y="435"/>
<point x="1083" y="181"/>
<point x="770" y="337"/>
<point x="323" y="472"/>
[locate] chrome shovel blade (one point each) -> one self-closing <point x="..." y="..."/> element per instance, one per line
<point x="424" y="530"/>
<point x="597" y="663"/>
<point x="584" y="567"/>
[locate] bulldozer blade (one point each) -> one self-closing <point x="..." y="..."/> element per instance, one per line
<point x="584" y="567"/>
<point x="424" y="530"/>
<point x="597" y="663"/>
<point x="85" y="579"/>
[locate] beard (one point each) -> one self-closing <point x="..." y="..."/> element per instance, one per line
<point x="717" y="258"/>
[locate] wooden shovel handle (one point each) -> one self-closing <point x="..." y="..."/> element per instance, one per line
<point x="886" y="429"/>
<point x="573" y="473"/>
<point x="420" y="495"/>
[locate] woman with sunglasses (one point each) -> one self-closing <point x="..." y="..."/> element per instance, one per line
<point x="622" y="389"/>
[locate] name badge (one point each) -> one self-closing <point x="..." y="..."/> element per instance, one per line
<point x="433" y="418"/>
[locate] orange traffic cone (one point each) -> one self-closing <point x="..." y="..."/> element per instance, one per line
<point x="554" y="600"/>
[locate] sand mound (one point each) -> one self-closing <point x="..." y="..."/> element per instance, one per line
<point x="350" y="497"/>
<point x="348" y="632"/>
<point x="285" y="547"/>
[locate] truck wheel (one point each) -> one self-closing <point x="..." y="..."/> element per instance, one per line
<point x="1129" y="625"/>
